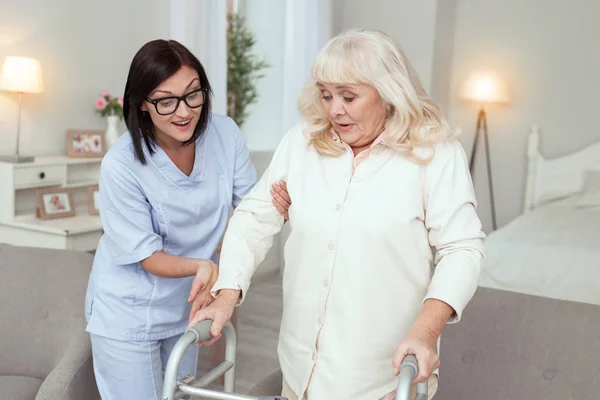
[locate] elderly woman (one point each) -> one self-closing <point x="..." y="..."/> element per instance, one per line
<point x="377" y="179"/>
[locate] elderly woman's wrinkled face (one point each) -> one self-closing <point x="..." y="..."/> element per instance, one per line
<point x="356" y="112"/>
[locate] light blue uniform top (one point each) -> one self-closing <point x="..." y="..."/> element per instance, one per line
<point x="152" y="207"/>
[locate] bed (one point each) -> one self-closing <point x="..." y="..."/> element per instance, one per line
<point x="553" y="248"/>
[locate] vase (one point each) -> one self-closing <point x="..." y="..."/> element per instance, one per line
<point x="112" y="132"/>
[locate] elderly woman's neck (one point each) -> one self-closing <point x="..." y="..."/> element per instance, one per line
<point x="356" y="150"/>
<point x="367" y="143"/>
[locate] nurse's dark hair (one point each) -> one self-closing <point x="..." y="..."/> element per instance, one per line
<point x="154" y="63"/>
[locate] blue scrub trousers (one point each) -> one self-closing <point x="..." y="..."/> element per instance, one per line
<point x="128" y="370"/>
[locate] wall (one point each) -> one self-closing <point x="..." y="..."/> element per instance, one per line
<point x="84" y="47"/>
<point x="410" y="22"/>
<point x="547" y="52"/>
<point x="443" y="53"/>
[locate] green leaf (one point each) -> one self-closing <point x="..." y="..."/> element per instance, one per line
<point x="243" y="69"/>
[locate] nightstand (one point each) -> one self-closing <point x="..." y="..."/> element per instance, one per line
<point x="18" y="223"/>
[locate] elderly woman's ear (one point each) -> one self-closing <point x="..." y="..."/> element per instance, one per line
<point x="281" y="198"/>
<point x="389" y="109"/>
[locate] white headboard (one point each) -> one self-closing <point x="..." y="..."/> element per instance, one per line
<point x="549" y="179"/>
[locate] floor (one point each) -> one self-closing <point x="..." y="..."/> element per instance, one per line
<point x="258" y="330"/>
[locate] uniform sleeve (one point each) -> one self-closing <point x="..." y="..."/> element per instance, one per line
<point x="252" y="227"/>
<point x="125" y="214"/>
<point x="244" y="175"/>
<point x="454" y="228"/>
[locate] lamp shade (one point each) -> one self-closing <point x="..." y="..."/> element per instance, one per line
<point x="21" y="74"/>
<point x="485" y="87"/>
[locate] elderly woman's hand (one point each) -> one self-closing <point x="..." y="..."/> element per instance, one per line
<point x="281" y="198"/>
<point x="422" y="342"/>
<point x="219" y="311"/>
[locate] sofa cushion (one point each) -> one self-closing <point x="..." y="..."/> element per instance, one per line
<point x="19" y="387"/>
<point x="516" y="346"/>
<point x="42" y="296"/>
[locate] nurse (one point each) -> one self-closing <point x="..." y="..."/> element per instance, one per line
<point x="166" y="189"/>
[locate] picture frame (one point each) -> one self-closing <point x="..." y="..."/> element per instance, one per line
<point x="86" y="143"/>
<point x="55" y="202"/>
<point x="93" y="193"/>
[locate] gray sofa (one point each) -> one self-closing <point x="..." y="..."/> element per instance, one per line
<point x="514" y="346"/>
<point x="45" y="353"/>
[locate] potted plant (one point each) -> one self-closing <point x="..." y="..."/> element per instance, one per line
<point x="243" y="69"/>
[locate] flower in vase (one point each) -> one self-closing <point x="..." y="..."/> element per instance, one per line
<point x="108" y="105"/>
<point x="101" y="103"/>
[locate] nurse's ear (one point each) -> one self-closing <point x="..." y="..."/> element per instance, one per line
<point x="144" y="110"/>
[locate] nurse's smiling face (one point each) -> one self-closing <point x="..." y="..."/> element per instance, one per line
<point x="177" y="127"/>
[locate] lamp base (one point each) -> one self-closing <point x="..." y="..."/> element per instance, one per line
<point x="16" y="159"/>
<point x="482" y="130"/>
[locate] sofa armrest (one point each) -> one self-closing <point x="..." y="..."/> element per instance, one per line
<point x="73" y="376"/>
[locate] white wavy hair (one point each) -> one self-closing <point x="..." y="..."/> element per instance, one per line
<point x="374" y="58"/>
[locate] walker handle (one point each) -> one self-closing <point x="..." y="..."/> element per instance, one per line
<point x="202" y="331"/>
<point x="408" y="371"/>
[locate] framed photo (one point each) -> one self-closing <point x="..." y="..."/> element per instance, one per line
<point x="55" y="202"/>
<point x="85" y="143"/>
<point x="93" y="194"/>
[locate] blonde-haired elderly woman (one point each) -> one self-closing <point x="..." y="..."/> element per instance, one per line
<point x="377" y="179"/>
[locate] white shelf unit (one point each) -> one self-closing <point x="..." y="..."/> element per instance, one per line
<point x="18" y="222"/>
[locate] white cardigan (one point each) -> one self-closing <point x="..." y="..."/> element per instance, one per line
<point x="359" y="260"/>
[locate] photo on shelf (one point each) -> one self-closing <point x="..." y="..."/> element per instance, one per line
<point x="85" y="143"/>
<point x="93" y="194"/>
<point x="55" y="202"/>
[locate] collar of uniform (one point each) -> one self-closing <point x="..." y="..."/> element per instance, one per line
<point x="167" y="167"/>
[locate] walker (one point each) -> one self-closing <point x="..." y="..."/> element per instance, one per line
<point x="174" y="389"/>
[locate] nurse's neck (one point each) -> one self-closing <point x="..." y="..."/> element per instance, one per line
<point x="182" y="156"/>
<point x="169" y="144"/>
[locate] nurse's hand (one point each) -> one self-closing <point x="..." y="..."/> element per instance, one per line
<point x="205" y="278"/>
<point x="422" y="342"/>
<point x="281" y="198"/>
<point x="219" y="311"/>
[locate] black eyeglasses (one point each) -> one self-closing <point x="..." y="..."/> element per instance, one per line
<point x="168" y="105"/>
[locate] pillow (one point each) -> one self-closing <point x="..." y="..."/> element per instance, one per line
<point x="590" y="195"/>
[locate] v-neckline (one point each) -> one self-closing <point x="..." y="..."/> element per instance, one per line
<point x="193" y="155"/>
<point x="168" y="168"/>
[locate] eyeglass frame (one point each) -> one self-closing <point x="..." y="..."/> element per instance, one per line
<point x="178" y="98"/>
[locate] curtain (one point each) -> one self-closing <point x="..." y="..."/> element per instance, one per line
<point x="201" y="26"/>
<point x="308" y="27"/>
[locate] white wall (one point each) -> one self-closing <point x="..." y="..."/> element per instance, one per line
<point x="84" y="47"/>
<point x="547" y="50"/>
<point x="443" y="53"/>
<point x="410" y="22"/>
<point x="265" y="18"/>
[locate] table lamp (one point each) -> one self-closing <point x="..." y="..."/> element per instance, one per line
<point x="20" y="75"/>
<point x="484" y="88"/>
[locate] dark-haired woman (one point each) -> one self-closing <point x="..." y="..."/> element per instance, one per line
<point x="166" y="188"/>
